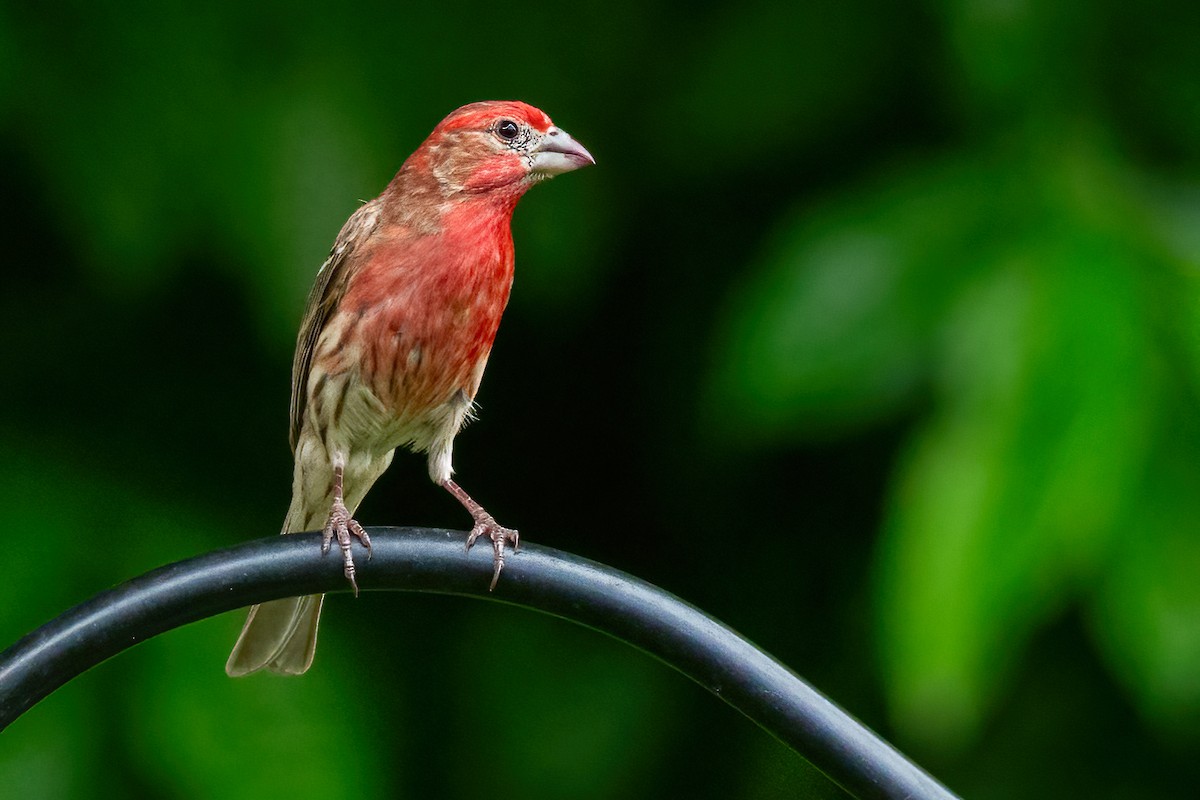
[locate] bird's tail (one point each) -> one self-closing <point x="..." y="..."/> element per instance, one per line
<point x="281" y="635"/>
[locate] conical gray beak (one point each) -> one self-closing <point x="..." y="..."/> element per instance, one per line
<point x="557" y="153"/>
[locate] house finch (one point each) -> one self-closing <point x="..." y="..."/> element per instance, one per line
<point x="395" y="338"/>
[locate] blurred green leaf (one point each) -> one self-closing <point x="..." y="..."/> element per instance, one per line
<point x="833" y="329"/>
<point x="1146" y="612"/>
<point x="1007" y="503"/>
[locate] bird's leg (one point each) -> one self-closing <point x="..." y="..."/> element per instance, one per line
<point x="343" y="526"/>
<point x="485" y="525"/>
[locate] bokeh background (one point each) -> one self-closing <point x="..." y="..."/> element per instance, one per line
<point x="875" y="333"/>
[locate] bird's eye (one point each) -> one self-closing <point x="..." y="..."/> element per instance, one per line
<point x="507" y="130"/>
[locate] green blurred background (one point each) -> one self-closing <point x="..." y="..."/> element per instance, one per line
<point x="875" y="333"/>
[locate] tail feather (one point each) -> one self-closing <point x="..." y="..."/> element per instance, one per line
<point x="280" y="636"/>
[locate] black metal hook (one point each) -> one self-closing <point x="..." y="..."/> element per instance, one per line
<point x="430" y="560"/>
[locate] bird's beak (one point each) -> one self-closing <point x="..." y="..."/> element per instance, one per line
<point x="557" y="153"/>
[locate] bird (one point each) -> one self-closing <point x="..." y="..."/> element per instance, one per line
<point x="394" y="340"/>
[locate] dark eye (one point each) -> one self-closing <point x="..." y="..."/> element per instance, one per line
<point x="506" y="129"/>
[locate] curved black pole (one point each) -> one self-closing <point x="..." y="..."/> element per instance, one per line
<point x="425" y="560"/>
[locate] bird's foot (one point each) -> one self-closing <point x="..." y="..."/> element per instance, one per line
<point x="486" y="525"/>
<point x="342" y="526"/>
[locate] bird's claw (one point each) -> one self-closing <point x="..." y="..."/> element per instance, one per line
<point x="487" y="526"/>
<point x="342" y="526"/>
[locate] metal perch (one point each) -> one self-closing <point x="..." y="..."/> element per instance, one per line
<point x="430" y="560"/>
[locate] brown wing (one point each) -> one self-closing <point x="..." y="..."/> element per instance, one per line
<point x="326" y="293"/>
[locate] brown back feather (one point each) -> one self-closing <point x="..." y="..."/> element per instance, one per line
<point x="326" y="294"/>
